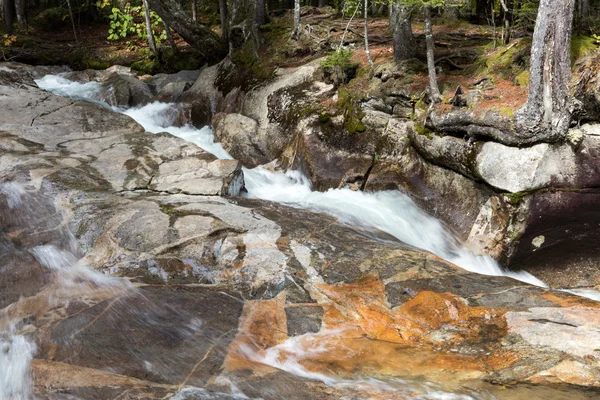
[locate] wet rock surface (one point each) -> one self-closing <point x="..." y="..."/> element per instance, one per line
<point x="202" y="296"/>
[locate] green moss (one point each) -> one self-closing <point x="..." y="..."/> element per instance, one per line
<point x="523" y="79"/>
<point x="95" y="64"/>
<point x="515" y="198"/>
<point x="423" y="130"/>
<point x="146" y="66"/>
<point x="353" y="115"/>
<point x="324" y="118"/>
<point x="506" y="111"/>
<point x="245" y="58"/>
<point x="582" y="46"/>
<point x="506" y="61"/>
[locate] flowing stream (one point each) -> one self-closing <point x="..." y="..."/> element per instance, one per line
<point x="391" y="212"/>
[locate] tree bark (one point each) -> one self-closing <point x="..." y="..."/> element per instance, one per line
<point x="197" y="35"/>
<point x="366" y="6"/>
<point x="9" y="16"/>
<point x="170" y="38"/>
<point x="72" y="20"/>
<point x="223" y="12"/>
<point x="20" y="12"/>
<point x="547" y="115"/>
<point x="195" y="10"/>
<point x="149" y="33"/>
<point x="433" y="86"/>
<point x="260" y="13"/>
<point x="296" y="18"/>
<point x="400" y="24"/>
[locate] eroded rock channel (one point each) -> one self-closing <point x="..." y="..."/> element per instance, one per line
<point x="136" y="268"/>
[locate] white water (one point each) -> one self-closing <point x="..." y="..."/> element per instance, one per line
<point x="16" y="353"/>
<point x="288" y="355"/>
<point x="154" y="117"/>
<point x="391" y="212"/>
<point x="71" y="279"/>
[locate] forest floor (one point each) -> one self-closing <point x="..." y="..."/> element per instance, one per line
<point x="466" y="54"/>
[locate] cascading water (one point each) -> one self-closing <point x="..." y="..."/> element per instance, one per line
<point x="391" y="212"/>
<point x="27" y="219"/>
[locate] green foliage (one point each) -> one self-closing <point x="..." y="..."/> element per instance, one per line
<point x="338" y="59"/>
<point x="338" y="65"/>
<point x="130" y="21"/>
<point x="526" y="14"/>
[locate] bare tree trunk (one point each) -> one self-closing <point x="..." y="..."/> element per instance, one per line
<point x="149" y="33"/>
<point x="260" y="13"/>
<point x="433" y="86"/>
<point x="547" y="113"/>
<point x="20" y="12"/>
<point x="366" y="6"/>
<point x="170" y="38"/>
<point x="9" y="16"/>
<point x="72" y="20"/>
<point x="195" y="10"/>
<point x="224" y="20"/>
<point x="296" y="18"/>
<point x="506" y="29"/>
<point x="197" y="35"/>
<point x="584" y="14"/>
<point x="400" y="24"/>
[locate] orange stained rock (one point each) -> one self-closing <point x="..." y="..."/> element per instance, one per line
<point x="52" y="374"/>
<point x="432" y="310"/>
<point x="362" y="304"/>
<point x="346" y="357"/>
<point x="569" y="300"/>
<point x="263" y="324"/>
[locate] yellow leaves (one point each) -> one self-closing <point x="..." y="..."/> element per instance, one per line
<point x="8" y="40"/>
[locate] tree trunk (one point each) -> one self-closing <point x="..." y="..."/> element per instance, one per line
<point x="366" y="6"/>
<point x="400" y="24"/>
<point x="260" y="13"/>
<point x="72" y="20"/>
<point x="224" y="20"/>
<point x="296" y="18"/>
<point x="9" y="16"/>
<point x="547" y="113"/>
<point x="584" y="15"/>
<point x="321" y="3"/>
<point x="20" y="12"/>
<point x="195" y="10"/>
<point x="433" y="86"/>
<point x="149" y="33"/>
<point x="170" y="38"/>
<point x="197" y="35"/>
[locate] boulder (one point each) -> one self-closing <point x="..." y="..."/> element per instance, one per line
<point x="239" y="136"/>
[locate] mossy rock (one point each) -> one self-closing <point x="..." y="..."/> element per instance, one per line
<point x="508" y="61"/>
<point x="522" y="79"/>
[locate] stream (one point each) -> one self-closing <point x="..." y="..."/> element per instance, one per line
<point x="63" y="276"/>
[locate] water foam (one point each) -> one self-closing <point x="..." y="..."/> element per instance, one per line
<point x="155" y="117"/>
<point x="16" y="353"/>
<point x="391" y="212"/>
